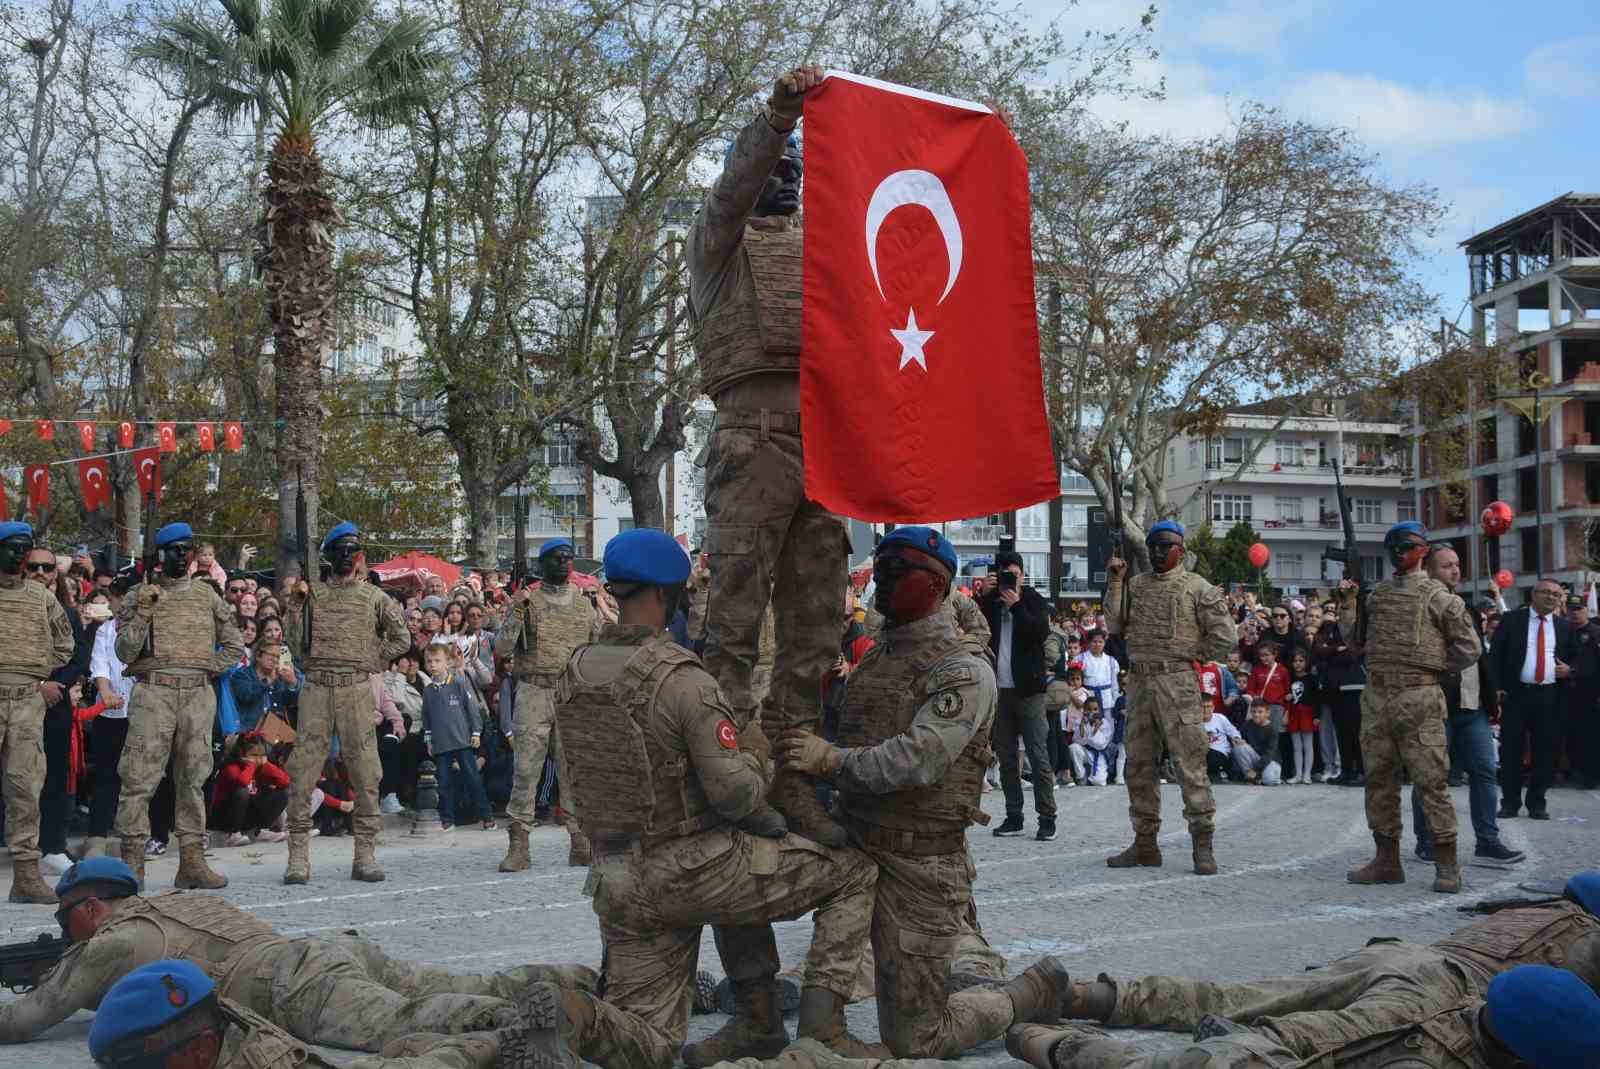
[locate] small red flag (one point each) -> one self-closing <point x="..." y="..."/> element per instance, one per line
<point x="207" y="436"/>
<point x="125" y="434"/>
<point x="167" y="435"/>
<point x="45" y="429"/>
<point x="86" y="435"/>
<point x="918" y="309"/>
<point x="95" y="478"/>
<point x="5" y="427"/>
<point x="233" y="436"/>
<point x="37" y="479"/>
<point x="147" y="466"/>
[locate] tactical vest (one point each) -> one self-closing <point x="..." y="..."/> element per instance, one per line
<point x="880" y="703"/>
<point x="627" y="786"/>
<point x="184" y="628"/>
<point x="1398" y="629"/>
<point x="1161" y="619"/>
<point x="1447" y="1040"/>
<point x="344" y="627"/>
<point x="1528" y="935"/>
<point x="558" y="630"/>
<point x="26" y="644"/>
<point x="756" y="330"/>
<point x="204" y="929"/>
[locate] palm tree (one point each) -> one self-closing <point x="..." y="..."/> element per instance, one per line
<point x="299" y="66"/>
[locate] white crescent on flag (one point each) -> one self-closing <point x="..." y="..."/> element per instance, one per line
<point x="904" y="188"/>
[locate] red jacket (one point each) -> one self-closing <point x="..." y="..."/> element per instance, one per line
<point x="1210" y="674"/>
<point x="1270" y="686"/>
<point x="252" y="777"/>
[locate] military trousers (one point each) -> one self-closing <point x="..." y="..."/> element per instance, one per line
<point x="22" y="759"/>
<point x="1167" y="709"/>
<point x="1402" y="729"/>
<point x="768" y="542"/>
<point x="920" y="923"/>
<point x="350" y="713"/>
<point x="652" y="910"/>
<point x="530" y="743"/>
<point x="167" y="723"/>
<point x="809" y="1054"/>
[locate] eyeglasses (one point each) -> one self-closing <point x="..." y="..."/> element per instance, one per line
<point x="41" y="567"/>
<point x="1280" y="616"/>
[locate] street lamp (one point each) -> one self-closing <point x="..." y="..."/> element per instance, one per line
<point x="1531" y="411"/>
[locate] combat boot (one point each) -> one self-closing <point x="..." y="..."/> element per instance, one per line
<point x="822" y="1019"/>
<point x="517" y="857"/>
<point x="299" y="868"/>
<point x="1034" y="1043"/>
<point x="133" y="857"/>
<point x="28" y="886"/>
<point x="545" y="1036"/>
<point x="1446" y="873"/>
<point x="1384" y="867"/>
<point x="1205" y="862"/>
<point x="795" y="796"/>
<point x="364" y="866"/>
<point x="193" y="872"/>
<point x="755" y="1031"/>
<point x="1041" y="992"/>
<point x="580" y="854"/>
<point x="1143" y="852"/>
<point x="1092" y="1001"/>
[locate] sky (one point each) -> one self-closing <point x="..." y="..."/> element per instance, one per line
<point x="1489" y="103"/>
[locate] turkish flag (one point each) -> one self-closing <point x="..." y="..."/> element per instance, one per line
<point x="125" y="434"/>
<point x="147" y="466"/>
<point x="5" y="427"/>
<point x="95" y="478"/>
<point x="920" y="387"/>
<point x="233" y="436"/>
<point x="167" y="435"/>
<point x="37" y="479"/>
<point x="208" y="437"/>
<point x="45" y="429"/>
<point x="86" y="435"/>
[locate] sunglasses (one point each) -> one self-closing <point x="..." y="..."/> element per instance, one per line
<point x="41" y="567"/>
<point x="1280" y="616"/>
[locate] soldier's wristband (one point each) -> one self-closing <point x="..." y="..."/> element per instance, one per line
<point x="777" y="121"/>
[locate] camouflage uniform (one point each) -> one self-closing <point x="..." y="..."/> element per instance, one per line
<point x="556" y="621"/>
<point x="35" y="640"/>
<point x="809" y="1054"/>
<point x="253" y="1042"/>
<point x="1169" y="620"/>
<point x="962" y="612"/>
<point x="915" y="737"/>
<point x="173" y="650"/>
<point x="1415" y="628"/>
<point x="356" y="630"/>
<point x="658" y="782"/>
<point x="338" y="992"/>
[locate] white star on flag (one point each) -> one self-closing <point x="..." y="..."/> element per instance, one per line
<point x="911" y="341"/>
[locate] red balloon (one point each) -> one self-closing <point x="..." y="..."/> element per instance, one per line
<point x="1503" y="579"/>
<point x="1260" y="554"/>
<point x="1497" y="519"/>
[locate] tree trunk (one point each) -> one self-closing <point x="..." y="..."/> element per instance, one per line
<point x="645" y="491"/>
<point x="476" y="469"/>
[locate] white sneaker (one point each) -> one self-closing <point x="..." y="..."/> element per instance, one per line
<point x="269" y="835"/>
<point x="390" y="804"/>
<point x="154" y="848"/>
<point x="238" y="838"/>
<point x="55" y="864"/>
<point x="316" y="798"/>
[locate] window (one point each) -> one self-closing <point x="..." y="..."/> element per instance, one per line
<point x="1036" y="570"/>
<point x="1289" y="452"/>
<point x="1372" y="569"/>
<point x="561" y="451"/>
<point x="1289" y="565"/>
<point x="1405" y="509"/>
<point x="1073" y="481"/>
<point x="1222" y="451"/>
<point x="1289" y="510"/>
<point x="624" y="523"/>
<point x="1367" y="510"/>
<point x="1034" y="522"/>
<point x="1194" y="452"/>
<point x="1231" y="508"/>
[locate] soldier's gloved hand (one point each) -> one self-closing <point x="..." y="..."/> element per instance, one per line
<point x="801" y="751"/>
<point x="149" y="594"/>
<point x="766" y="822"/>
<point x="297" y="593"/>
<point x="754" y="740"/>
<point x="788" y="94"/>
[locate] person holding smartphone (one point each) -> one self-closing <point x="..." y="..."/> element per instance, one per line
<point x="1019" y="623"/>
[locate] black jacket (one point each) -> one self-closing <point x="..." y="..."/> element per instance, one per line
<point x="1030" y="626"/>
<point x="1510" y="648"/>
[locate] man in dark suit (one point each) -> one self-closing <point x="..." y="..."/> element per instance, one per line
<point x="1583" y="694"/>
<point x="1019" y="622"/>
<point x="1532" y="653"/>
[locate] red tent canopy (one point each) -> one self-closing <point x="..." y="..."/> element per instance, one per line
<point x="414" y="569"/>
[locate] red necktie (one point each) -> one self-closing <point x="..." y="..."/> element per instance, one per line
<point x="1538" y="655"/>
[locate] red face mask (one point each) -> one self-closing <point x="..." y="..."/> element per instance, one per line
<point x="906" y="589"/>
<point x="1168" y="560"/>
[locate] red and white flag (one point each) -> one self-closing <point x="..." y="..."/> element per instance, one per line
<point x="125" y="434"/>
<point x="147" y="467"/>
<point x="94" y="476"/>
<point x="233" y="436"/>
<point x="37" y="479"/>
<point x="167" y="436"/>
<point x="920" y="387"/>
<point x="45" y="430"/>
<point x="86" y="435"/>
<point x="208" y="437"/>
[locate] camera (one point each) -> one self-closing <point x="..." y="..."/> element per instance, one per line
<point x="1008" y="580"/>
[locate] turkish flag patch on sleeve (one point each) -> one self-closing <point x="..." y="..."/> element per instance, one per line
<point x="727" y="734"/>
<point x="920" y="385"/>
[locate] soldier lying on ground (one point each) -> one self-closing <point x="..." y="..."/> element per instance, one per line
<point x="1378" y="986"/>
<point x="342" y="992"/>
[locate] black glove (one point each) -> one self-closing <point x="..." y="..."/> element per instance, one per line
<point x="766" y="822"/>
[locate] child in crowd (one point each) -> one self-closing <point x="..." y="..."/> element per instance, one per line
<point x="1119" y="728"/>
<point x="250" y="793"/>
<point x="451" y="730"/>
<point x="1302" y="716"/>
<point x="1100" y="670"/>
<point x="1269" y="683"/>
<point x="334" y="800"/>
<point x="1071" y="718"/>
<point x="1222" y="738"/>
<point x="1090" y="763"/>
<point x="1257" y="757"/>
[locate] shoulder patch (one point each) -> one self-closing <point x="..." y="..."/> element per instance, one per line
<point x="727" y="734"/>
<point x="954" y="673"/>
<point x="948" y="704"/>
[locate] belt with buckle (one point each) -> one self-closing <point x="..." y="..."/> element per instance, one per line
<point x="337" y="679"/>
<point x="17" y="693"/>
<point x="763" y="419"/>
<point x="1410" y="677"/>
<point x="1166" y="666"/>
<point x="176" y="682"/>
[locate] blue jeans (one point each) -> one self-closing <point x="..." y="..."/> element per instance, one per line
<point x="1470" y="744"/>
<point x="467" y="761"/>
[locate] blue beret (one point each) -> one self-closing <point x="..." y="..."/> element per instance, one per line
<point x="150" y="997"/>
<point x="646" y="555"/>
<point x="925" y="539"/>
<point x="96" y="869"/>
<point x="344" y="530"/>
<point x="1584" y="889"/>
<point x="557" y="543"/>
<point x="1165" y="525"/>
<point x="15" y="529"/>
<point x="1407" y="527"/>
<point x="174" y="532"/>
<point x="1548" y="1017"/>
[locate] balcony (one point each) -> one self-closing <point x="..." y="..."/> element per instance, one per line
<point x="968" y="533"/>
<point x="1357" y="474"/>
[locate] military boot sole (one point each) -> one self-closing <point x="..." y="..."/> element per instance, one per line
<point x="536" y="1041"/>
<point x="291" y="878"/>
<point x="1135" y="858"/>
<point x="367" y="875"/>
<point x="1214" y="1026"/>
<point x="26" y="897"/>
<point x="516" y="864"/>
<point x="788" y="995"/>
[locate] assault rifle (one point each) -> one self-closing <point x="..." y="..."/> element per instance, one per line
<point x="302" y="534"/>
<point x="23" y="965"/>
<point x="1119" y="542"/>
<point x="152" y="556"/>
<point x="1347" y="554"/>
<point x="519" y="562"/>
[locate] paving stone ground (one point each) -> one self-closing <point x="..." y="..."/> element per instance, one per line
<point x="1280" y="904"/>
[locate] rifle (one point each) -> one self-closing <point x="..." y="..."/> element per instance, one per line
<point x="302" y="533"/>
<point x="1119" y="542"/>
<point x="1348" y="555"/>
<point x="519" y="563"/>
<point x="24" y="965"/>
<point x="151" y="556"/>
